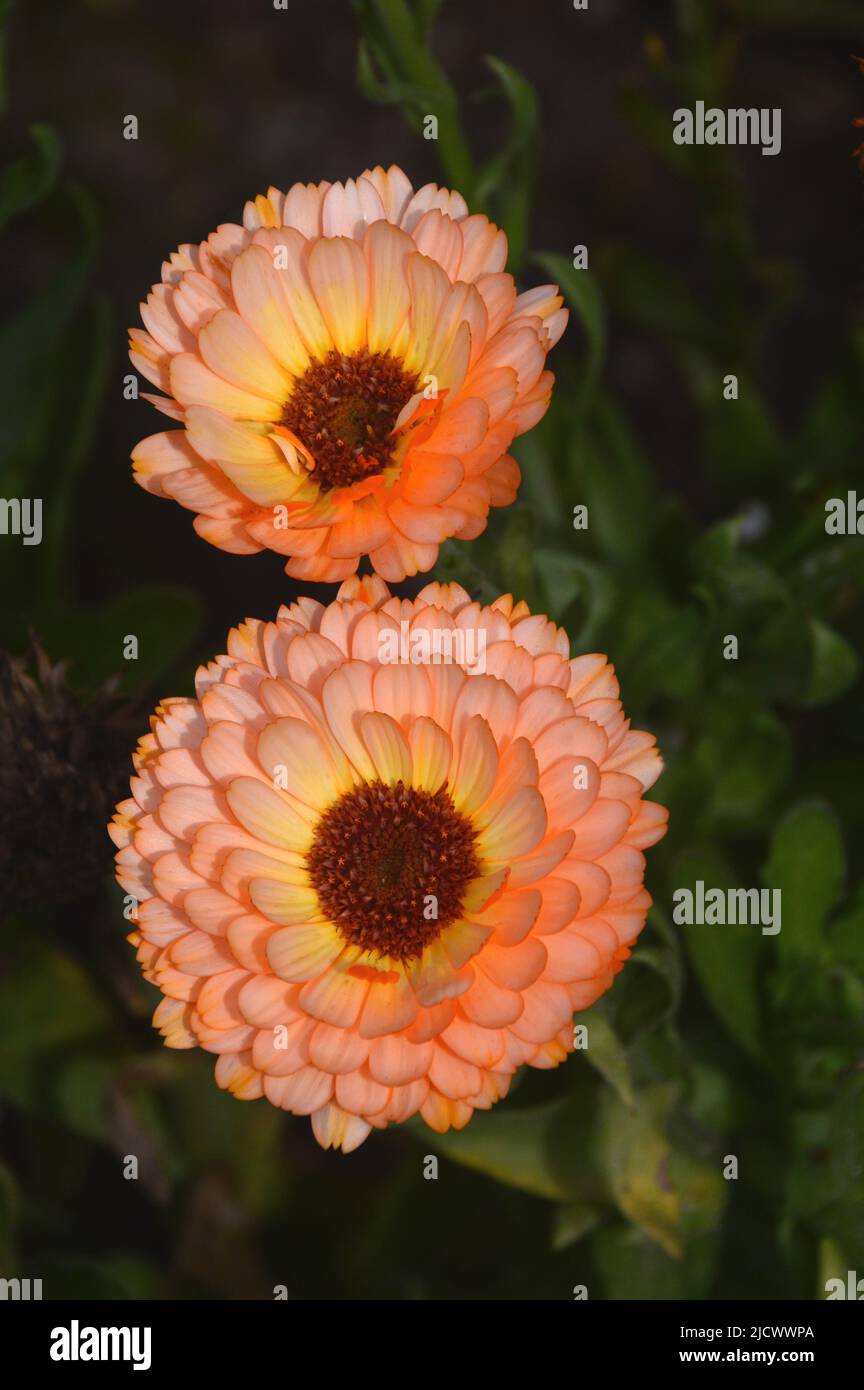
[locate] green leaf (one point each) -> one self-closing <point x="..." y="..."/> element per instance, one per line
<point x="138" y="1278"/>
<point x="651" y="123"/>
<point x="505" y="183"/>
<point x="742" y="442"/>
<point x="26" y="182"/>
<point x="525" y="114"/>
<point x="371" y="86"/>
<point x="744" y="753"/>
<point x="824" y="1183"/>
<point x="392" y="41"/>
<point x="568" y="579"/>
<point x="47" y="1003"/>
<point x="644" y="1002"/>
<point x="539" y="1150"/>
<point x="515" y="555"/>
<point x="633" y="1266"/>
<point x="668" y="660"/>
<point x="425" y="13"/>
<point x="391" y="91"/>
<point x="833" y="1264"/>
<point x="835" y="665"/>
<point x="633" y="1154"/>
<point x="540" y="479"/>
<point x="725" y="958"/>
<point x="807" y="863"/>
<point x="606" y="1052"/>
<point x="573" y="1222"/>
<point x="712" y="1098"/>
<point x="30" y="347"/>
<point x="655" y="299"/>
<point x="618" y="493"/>
<point x="774" y="655"/>
<point x="62" y="489"/>
<point x="582" y="292"/>
<point x="734" y="576"/>
<point x="457" y="564"/>
<point x="846" y="934"/>
<point x="663" y="960"/>
<point x="164" y="618"/>
<point x="80" y="1094"/>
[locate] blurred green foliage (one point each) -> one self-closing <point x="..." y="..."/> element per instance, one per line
<point x="715" y="1042"/>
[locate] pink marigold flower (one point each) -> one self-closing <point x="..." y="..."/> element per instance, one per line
<point x="349" y="369"/>
<point x="386" y="853"/>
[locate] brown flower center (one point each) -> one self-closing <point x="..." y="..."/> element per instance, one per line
<point x="390" y="866"/>
<point x="344" y="409"/>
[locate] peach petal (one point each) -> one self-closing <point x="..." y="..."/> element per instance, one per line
<point x="490" y="697"/>
<point x="600" y="828"/>
<point x="337" y="274"/>
<point x="346" y="691"/>
<point x="282" y="1049"/>
<point x="489" y="1005"/>
<point x="390" y="1006"/>
<point x="433" y="978"/>
<point x="475" y="766"/>
<point x="386" y="745"/>
<point x="269" y="814"/>
<point x="515" y="967"/>
<point x="210" y="910"/>
<point x="292" y="752"/>
<point x="335" y="997"/>
<point x="235" y="1073"/>
<point x="289" y="904"/>
<point x="303" y="1092"/>
<point x="483" y="1047"/>
<point x="247" y="936"/>
<point x="513" y="916"/>
<point x="216" y="1004"/>
<point x="442" y="1114"/>
<point x="194" y="384"/>
<point x="537" y="863"/>
<point x="266" y="1002"/>
<point x="516" y="830"/>
<point x="262" y="296"/>
<point x="385" y="248"/>
<point x="452" y="1075"/>
<point x="198" y="953"/>
<point x="334" y="1128"/>
<point x="249" y="459"/>
<point x="337" y="1050"/>
<point x="303" y="951"/>
<point x="394" y="1061"/>
<point x="359" y="1094"/>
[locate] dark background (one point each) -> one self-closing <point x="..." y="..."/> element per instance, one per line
<point x="701" y="262"/>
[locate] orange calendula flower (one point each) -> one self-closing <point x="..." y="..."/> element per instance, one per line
<point x="349" y="369"/>
<point x="386" y="853"/>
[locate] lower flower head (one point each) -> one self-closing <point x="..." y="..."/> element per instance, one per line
<point x="386" y="853"/>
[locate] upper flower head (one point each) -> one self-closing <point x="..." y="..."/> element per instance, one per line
<point x="350" y="368"/>
<point x="386" y="853"/>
